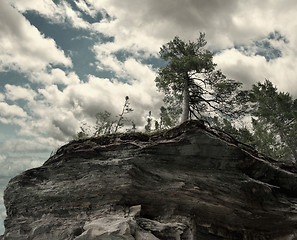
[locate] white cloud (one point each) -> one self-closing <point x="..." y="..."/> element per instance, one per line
<point x="24" y="146"/>
<point x="10" y="167"/>
<point x="153" y="21"/>
<point x="224" y="23"/>
<point x="238" y="66"/>
<point x="150" y="25"/>
<point x="140" y="33"/>
<point x="22" y="46"/>
<point x="17" y="92"/>
<point x="59" y="112"/>
<point x="251" y="69"/>
<point x="21" y="163"/>
<point x="90" y="10"/>
<point x="56" y="122"/>
<point x="54" y="76"/>
<point x="56" y="13"/>
<point x="107" y="61"/>
<point x="52" y="95"/>
<point x="73" y="16"/>
<point x="130" y="38"/>
<point x="11" y="110"/>
<point x="11" y="120"/>
<point x="43" y="6"/>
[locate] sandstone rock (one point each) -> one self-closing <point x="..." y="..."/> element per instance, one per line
<point x="187" y="183"/>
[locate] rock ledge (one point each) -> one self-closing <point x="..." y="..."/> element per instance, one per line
<point x="187" y="183"/>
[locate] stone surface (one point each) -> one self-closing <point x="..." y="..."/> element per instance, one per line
<point x="187" y="183"/>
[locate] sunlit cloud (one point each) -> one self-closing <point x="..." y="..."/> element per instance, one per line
<point x="22" y="46"/>
<point x="14" y="93"/>
<point x="11" y="110"/>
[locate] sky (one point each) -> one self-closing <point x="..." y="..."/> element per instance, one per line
<point x="63" y="61"/>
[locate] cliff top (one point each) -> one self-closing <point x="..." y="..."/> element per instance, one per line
<point x="189" y="182"/>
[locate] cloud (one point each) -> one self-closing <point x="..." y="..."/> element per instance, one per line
<point x="71" y="16"/>
<point x="56" y="123"/>
<point x="61" y="13"/>
<point x="25" y="146"/>
<point x="152" y="23"/>
<point x="43" y="6"/>
<point x="88" y="9"/>
<point x="57" y="113"/>
<point x="98" y="95"/>
<point x="242" y="67"/>
<point x="11" y="110"/>
<point x="138" y="36"/>
<point x="149" y="24"/>
<point x="61" y="111"/>
<point x="14" y="93"/>
<point x="250" y="69"/>
<point x="21" y="163"/>
<point x="9" y="170"/>
<point x="54" y="76"/>
<point x="162" y="20"/>
<point x="22" y="46"/>
<point x="107" y="60"/>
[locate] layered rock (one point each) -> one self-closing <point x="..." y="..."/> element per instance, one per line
<point x="187" y="183"/>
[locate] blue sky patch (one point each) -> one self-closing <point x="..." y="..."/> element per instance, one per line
<point x="265" y="47"/>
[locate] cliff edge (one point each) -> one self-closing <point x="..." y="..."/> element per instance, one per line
<point x="187" y="183"/>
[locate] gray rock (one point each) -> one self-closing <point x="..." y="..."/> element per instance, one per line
<point x="187" y="183"/>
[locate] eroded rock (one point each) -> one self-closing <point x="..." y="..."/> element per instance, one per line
<point x="187" y="183"/>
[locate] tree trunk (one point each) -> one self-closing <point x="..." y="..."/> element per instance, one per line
<point x="186" y="101"/>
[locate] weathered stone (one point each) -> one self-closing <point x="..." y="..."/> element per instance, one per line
<point x="188" y="183"/>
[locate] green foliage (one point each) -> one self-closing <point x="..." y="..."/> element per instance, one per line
<point x="84" y="131"/>
<point x="190" y="77"/>
<point x="168" y="118"/>
<point x="275" y="121"/>
<point x="266" y="140"/>
<point x="106" y="123"/>
<point x="242" y="134"/>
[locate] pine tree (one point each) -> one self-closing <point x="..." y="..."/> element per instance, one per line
<point x="275" y="122"/>
<point x="192" y="85"/>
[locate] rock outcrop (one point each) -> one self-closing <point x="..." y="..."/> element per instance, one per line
<point x="186" y="183"/>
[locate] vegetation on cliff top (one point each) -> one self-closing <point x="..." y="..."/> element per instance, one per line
<point x="193" y="88"/>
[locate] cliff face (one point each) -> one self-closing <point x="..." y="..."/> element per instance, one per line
<point x="187" y="183"/>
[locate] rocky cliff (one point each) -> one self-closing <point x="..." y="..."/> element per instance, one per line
<point x="187" y="183"/>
